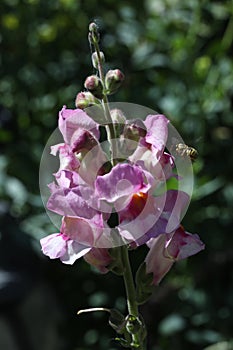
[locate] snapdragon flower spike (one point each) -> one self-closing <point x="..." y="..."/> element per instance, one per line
<point x="85" y="189"/>
<point x="168" y="248"/>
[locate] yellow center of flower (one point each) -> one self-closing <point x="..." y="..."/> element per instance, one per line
<point x="134" y="208"/>
<point x="138" y="201"/>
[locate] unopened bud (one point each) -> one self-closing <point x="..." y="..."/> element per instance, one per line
<point x="94" y="85"/>
<point x="96" y="60"/>
<point x="85" y="99"/>
<point x="113" y="80"/>
<point x="93" y="28"/>
<point x="93" y="35"/>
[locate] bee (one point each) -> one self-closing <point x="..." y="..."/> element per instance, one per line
<point x="186" y="151"/>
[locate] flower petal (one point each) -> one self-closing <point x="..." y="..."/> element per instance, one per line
<point x="54" y="245"/>
<point x="168" y="248"/>
<point x="71" y="202"/>
<point x="71" y="121"/>
<point x="155" y="260"/>
<point x="74" y="251"/>
<point x="157" y="131"/>
<point x="122" y="181"/>
<point x="175" y="205"/>
<point x="80" y="230"/>
<point x="183" y="244"/>
<point x="68" y="160"/>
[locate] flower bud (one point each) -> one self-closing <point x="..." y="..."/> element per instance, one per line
<point x="85" y="99"/>
<point x="113" y="80"/>
<point x="94" y="85"/>
<point x="93" y="27"/>
<point x="93" y="35"/>
<point x="95" y="59"/>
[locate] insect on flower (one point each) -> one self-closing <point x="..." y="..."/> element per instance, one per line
<point x="186" y="151"/>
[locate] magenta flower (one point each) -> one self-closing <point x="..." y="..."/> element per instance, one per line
<point x="168" y="248"/>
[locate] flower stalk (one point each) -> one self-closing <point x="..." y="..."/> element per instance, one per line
<point x="127" y="274"/>
<point x="94" y="39"/>
<point x="137" y="342"/>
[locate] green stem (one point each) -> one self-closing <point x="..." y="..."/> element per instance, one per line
<point x="131" y="294"/>
<point x="129" y="283"/>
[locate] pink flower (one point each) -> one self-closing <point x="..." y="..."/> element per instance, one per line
<point x="168" y="248"/>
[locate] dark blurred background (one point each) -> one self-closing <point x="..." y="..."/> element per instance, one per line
<point x="177" y="58"/>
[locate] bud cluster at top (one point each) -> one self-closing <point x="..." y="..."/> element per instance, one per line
<point x="99" y="85"/>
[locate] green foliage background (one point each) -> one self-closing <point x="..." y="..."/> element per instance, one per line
<point x="177" y="58"/>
